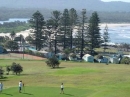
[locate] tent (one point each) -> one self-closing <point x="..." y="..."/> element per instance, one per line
<point x="88" y="58"/>
<point x="72" y="57"/>
<point x="45" y="53"/>
<point x="1" y="49"/>
<point x="60" y="56"/>
<point x="103" y="60"/>
<point x="114" y="60"/>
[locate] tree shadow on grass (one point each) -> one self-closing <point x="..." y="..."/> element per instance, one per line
<point x="21" y="74"/>
<point x="24" y="74"/>
<point x="27" y="93"/>
<point x="68" y="94"/>
<point x="7" y="94"/>
<point x="60" y="68"/>
<point x="4" y="79"/>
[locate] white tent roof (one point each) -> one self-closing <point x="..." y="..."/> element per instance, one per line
<point x="127" y="56"/>
<point x="43" y="52"/>
<point x="87" y="55"/>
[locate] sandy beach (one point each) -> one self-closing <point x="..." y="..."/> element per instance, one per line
<point x="102" y="25"/>
<point x="24" y="33"/>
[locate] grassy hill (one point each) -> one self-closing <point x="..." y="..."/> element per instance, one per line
<point x="80" y="80"/>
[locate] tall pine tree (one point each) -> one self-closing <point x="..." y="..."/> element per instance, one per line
<point x="94" y="37"/>
<point x="83" y="31"/>
<point x="65" y="23"/>
<point x="56" y="16"/>
<point x="37" y="23"/>
<point x="73" y="19"/>
<point x="105" y="38"/>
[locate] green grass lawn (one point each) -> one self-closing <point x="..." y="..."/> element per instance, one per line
<point x="80" y="80"/>
<point x="45" y="92"/>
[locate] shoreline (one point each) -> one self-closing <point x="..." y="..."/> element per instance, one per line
<point x="101" y="25"/>
<point x="113" y="24"/>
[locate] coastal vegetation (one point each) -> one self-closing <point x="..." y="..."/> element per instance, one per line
<point x="16" y="26"/>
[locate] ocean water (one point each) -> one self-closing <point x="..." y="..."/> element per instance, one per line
<point x="118" y="34"/>
<point x="15" y="19"/>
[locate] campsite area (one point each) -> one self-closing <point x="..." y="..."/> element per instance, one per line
<point x="81" y="79"/>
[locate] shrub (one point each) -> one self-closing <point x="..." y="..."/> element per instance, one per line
<point x="73" y="55"/>
<point x="125" y="60"/>
<point x="28" y="52"/>
<point x="4" y="50"/>
<point x="53" y="62"/>
<point x="67" y="51"/>
<point x="8" y="69"/>
<point x="38" y="54"/>
<point x="16" y="68"/>
<point x="1" y="72"/>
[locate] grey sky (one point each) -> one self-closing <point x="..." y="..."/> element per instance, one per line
<point x="116" y="0"/>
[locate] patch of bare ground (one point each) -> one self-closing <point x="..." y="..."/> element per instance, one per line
<point x="20" y="56"/>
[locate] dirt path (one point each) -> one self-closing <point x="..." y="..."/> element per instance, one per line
<point x="20" y="56"/>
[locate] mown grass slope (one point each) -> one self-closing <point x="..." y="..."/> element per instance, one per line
<point x="80" y="80"/>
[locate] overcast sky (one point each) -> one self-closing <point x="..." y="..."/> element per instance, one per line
<point x="116" y="0"/>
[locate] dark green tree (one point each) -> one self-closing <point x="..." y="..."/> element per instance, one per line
<point x="105" y="38"/>
<point x="80" y="37"/>
<point x="53" y="62"/>
<point x="12" y="34"/>
<point x="56" y="16"/>
<point x="54" y="23"/>
<point x="8" y="69"/>
<point x="65" y="23"/>
<point x="2" y="39"/>
<point x="67" y="51"/>
<point x="83" y="21"/>
<point x="47" y="36"/>
<point x="1" y="72"/>
<point x="19" y="39"/>
<point x="29" y="39"/>
<point x="12" y="45"/>
<point x="73" y="16"/>
<point x="7" y="38"/>
<point x="125" y="60"/>
<point x="77" y="42"/>
<point x="73" y="20"/>
<point x="94" y="37"/>
<point x="16" y="68"/>
<point x="37" y="22"/>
